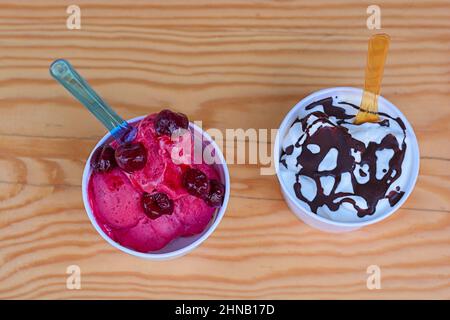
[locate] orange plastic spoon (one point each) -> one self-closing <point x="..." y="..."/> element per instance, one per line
<point x="378" y="48"/>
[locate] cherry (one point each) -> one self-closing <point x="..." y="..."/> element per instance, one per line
<point x="156" y="204"/>
<point x="103" y="159"/>
<point x="167" y="122"/>
<point x="196" y="183"/>
<point x="216" y="193"/>
<point x="131" y="156"/>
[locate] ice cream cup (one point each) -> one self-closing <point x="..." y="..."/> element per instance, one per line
<point x="302" y="210"/>
<point x="182" y="245"/>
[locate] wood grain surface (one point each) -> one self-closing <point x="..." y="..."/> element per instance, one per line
<point x="231" y="64"/>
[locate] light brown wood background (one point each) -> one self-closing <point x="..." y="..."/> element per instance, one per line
<point x="232" y="64"/>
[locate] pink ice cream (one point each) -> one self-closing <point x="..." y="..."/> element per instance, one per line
<point x="116" y="195"/>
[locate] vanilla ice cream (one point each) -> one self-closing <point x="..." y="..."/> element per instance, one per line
<point x="342" y="171"/>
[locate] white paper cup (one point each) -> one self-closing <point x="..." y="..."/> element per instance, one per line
<point x="182" y="245"/>
<point x="301" y="209"/>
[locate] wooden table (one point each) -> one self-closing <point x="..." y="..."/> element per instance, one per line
<point x="232" y="64"/>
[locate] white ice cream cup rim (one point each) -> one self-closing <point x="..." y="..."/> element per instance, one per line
<point x="168" y="255"/>
<point x="287" y="122"/>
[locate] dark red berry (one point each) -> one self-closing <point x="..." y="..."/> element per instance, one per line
<point x="131" y="156"/>
<point x="103" y="159"/>
<point x="167" y="122"/>
<point x="216" y="193"/>
<point x="156" y="204"/>
<point x="196" y="183"/>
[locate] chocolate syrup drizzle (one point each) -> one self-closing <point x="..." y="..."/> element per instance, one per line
<point x="337" y="136"/>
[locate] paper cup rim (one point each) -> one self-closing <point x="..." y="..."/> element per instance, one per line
<point x="166" y="255"/>
<point x="340" y="224"/>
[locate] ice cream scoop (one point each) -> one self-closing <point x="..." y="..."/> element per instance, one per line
<point x="341" y="170"/>
<point x="112" y="198"/>
<point x="66" y="75"/>
<point x="339" y="176"/>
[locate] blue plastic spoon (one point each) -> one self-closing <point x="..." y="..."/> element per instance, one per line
<point x="66" y="75"/>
